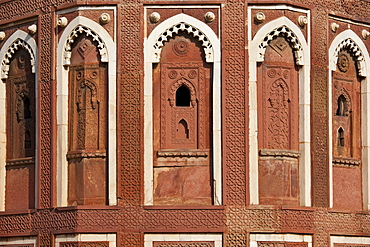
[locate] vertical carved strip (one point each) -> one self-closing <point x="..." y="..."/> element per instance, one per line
<point x="44" y="162"/>
<point x="234" y="105"/>
<point x="44" y="240"/>
<point x="130" y="239"/>
<point x="320" y="170"/>
<point x="130" y="118"/>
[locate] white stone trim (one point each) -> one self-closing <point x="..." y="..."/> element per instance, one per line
<point x="62" y="107"/>
<point x="348" y="240"/>
<point x="110" y="237"/>
<point x="150" y="238"/>
<point x="18" y="240"/>
<point x="149" y="50"/>
<point x="255" y="238"/>
<point x="18" y="38"/>
<point x="349" y="38"/>
<point x="304" y="105"/>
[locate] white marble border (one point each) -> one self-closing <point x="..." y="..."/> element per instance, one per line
<point x="19" y="34"/>
<point x="18" y="240"/>
<point x="348" y="240"/>
<point x="62" y="110"/>
<point x="304" y="108"/>
<point x="255" y="238"/>
<point x="148" y="112"/>
<point x="365" y="99"/>
<point x="110" y="237"/>
<point x="150" y="238"/>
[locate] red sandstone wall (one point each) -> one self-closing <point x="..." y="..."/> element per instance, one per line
<point x="236" y="219"/>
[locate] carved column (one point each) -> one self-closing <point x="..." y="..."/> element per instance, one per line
<point x="346" y="132"/>
<point x="21" y="140"/>
<point x="278" y="120"/>
<point x="182" y="139"/>
<point x="87" y="161"/>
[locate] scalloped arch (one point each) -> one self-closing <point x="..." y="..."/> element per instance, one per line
<point x="356" y="52"/>
<point x="89" y="32"/>
<point x="291" y="37"/>
<point x="185" y="27"/>
<point x="18" y="40"/>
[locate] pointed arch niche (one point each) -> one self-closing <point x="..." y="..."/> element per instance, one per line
<point x="281" y="27"/>
<point x="18" y="40"/>
<point x="349" y="42"/>
<point x="152" y="52"/>
<point x="107" y="51"/>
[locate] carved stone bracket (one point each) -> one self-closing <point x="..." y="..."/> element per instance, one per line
<point x="280" y="153"/>
<point x="9" y="54"/>
<point x="283" y="30"/>
<point x="356" y="52"/>
<point x="21" y="161"/>
<point x="74" y="34"/>
<point x="185" y="27"/>
<point x="171" y="153"/>
<point x="86" y="154"/>
<point x="342" y="161"/>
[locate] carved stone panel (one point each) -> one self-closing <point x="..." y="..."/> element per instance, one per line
<point x="18" y="245"/>
<point x="278" y="124"/>
<point x="346" y="132"/>
<point x="84" y="244"/>
<point x="182" y="124"/>
<point x="182" y="244"/>
<point x="282" y="244"/>
<point x="21" y="139"/>
<point x="351" y="245"/>
<point x="87" y="125"/>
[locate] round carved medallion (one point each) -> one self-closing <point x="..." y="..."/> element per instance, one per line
<point x="94" y="74"/>
<point x="79" y="75"/>
<point x="343" y="62"/>
<point x="271" y="73"/>
<point x="172" y="74"/>
<point x="21" y="62"/>
<point x="286" y="74"/>
<point x="192" y="74"/>
<point x="181" y="47"/>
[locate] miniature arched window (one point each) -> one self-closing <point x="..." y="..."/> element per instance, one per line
<point x="26" y="107"/>
<point x="182" y="131"/>
<point x="27" y="139"/>
<point x="340" y="137"/>
<point x="342" y="106"/>
<point x="183" y="96"/>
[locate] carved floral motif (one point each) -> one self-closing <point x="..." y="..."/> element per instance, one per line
<point x="185" y="27"/>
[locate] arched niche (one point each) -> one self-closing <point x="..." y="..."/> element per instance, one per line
<point x="152" y="52"/>
<point x="107" y="50"/>
<point x="281" y="27"/>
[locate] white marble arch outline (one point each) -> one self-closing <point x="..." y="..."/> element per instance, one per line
<point x="17" y="35"/>
<point x="348" y="240"/>
<point x="365" y="116"/>
<point x="149" y="52"/>
<point x="304" y="110"/>
<point x="111" y="238"/>
<point x="62" y="109"/>
<point x="18" y="241"/>
<point x="279" y="237"/>
<point x="183" y="237"/>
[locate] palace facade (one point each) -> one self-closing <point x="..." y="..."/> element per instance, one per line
<point x="185" y="123"/>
